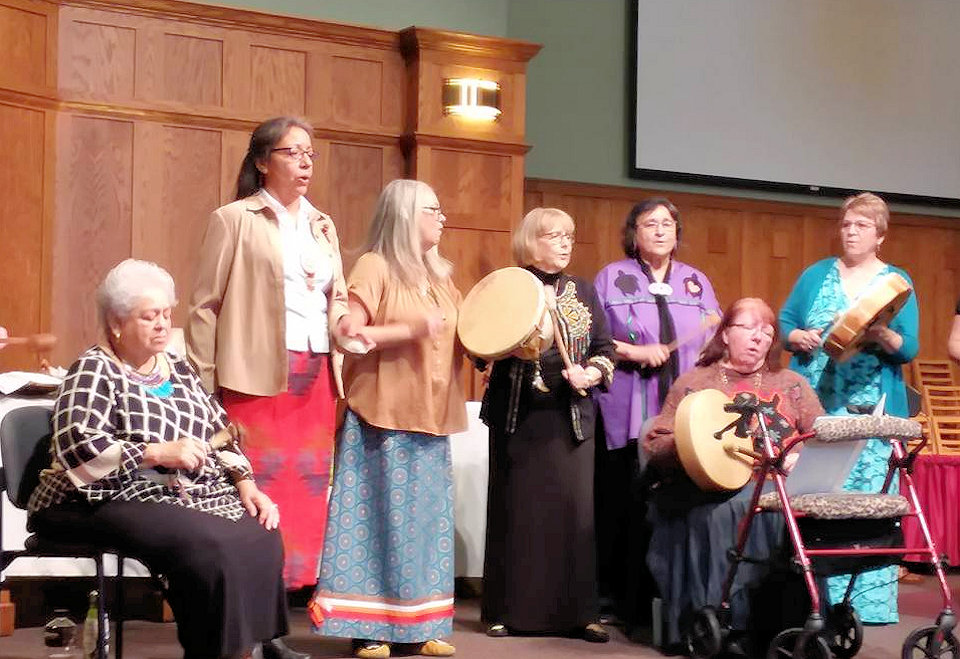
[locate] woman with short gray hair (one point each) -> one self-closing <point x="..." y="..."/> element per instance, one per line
<point x="144" y="459"/>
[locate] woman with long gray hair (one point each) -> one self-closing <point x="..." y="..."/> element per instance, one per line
<point x="386" y="576"/>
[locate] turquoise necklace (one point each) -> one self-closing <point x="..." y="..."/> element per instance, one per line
<point x="153" y="382"/>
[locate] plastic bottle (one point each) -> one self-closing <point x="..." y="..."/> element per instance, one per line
<point x="60" y="636"/>
<point x="91" y="625"/>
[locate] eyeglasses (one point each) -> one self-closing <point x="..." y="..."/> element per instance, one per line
<point x="297" y="153"/>
<point x="433" y="210"/>
<point x="558" y="237"/>
<point x="766" y="330"/>
<point x="860" y="227"/>
<point x="668" y="224"/>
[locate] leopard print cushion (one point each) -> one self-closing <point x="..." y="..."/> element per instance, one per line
<point x="850" y="428"/>
<point x="842" y="505"/>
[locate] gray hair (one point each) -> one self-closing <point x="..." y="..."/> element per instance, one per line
<point x="394" y="234"/>
<point x="123" y="287"/>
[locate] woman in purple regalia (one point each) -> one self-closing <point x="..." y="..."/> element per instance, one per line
<point x="653" y="303"/>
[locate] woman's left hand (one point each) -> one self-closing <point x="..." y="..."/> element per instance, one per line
<point x="580" y="377"/>
<point x="884" y="337"/>
<point x="259" y="505"/>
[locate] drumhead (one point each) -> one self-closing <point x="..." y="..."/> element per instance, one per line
<point x="877" y="305"/>
<point x="707" y="460"/>
<point x="500" y="311"/>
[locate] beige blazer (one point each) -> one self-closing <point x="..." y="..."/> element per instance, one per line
<point x="236" y="331"/>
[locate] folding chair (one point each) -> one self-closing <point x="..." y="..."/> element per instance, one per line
<point x="25" y="436"/>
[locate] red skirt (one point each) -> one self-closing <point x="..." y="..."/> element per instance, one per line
<point x="290" y="444"/>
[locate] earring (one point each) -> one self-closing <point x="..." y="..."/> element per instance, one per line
<point x="116" y="335"/>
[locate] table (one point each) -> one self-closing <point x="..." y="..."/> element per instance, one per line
<point x="937" y="479"/>
<point x="469" y="453"/>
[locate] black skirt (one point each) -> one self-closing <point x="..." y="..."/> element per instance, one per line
<point x="540" y="561"/>
<point x="225" y="578"/>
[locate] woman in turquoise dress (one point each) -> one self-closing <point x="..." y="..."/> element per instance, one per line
<point x="825" y="289"/>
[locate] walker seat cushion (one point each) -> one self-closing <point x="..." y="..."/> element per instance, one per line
<point x="852" y="428"/>
<point x="841" y="505"/>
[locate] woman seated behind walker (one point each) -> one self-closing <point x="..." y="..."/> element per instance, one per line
<point x="692" y="530"/>
<point x="133" y="466"/>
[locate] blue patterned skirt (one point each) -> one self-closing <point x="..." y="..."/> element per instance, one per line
<point x="386" y="572"/>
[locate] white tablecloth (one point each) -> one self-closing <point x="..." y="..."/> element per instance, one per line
<point x="468" y="452"/>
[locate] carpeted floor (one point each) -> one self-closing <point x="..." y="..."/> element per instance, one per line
<point x="919" y="605"/>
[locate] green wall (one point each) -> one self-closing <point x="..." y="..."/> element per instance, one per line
<point x="576" y="88"/>
<point x="477" y="16"/>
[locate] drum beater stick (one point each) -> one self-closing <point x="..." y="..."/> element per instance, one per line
<point x="550" y="296"/>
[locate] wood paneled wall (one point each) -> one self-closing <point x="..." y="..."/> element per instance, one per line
<point x="125" y="124"/>
<point x="759" y="248"/>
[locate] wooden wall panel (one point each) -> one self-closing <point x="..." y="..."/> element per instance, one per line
<point x="94" y="225"/>
<point x="357" y="91"/>
<point x="97" y="59"/>
<point x="759" y="248"/>
<point x="23" y="34"/>
<point x="769" y="264"/>
<point x="175" y="194"/>
<point x="278" y="80"/>
<point x="193" y="69"/>
<point x="234" y="147"/>
<point x="711" y="240"/>
<point x="138" y="115"/>
<point x="356" y="177"/>
<point x="22" y="133"/>
<point x="474" y="188"/>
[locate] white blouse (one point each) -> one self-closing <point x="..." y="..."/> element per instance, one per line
<point x="307" y="277"/>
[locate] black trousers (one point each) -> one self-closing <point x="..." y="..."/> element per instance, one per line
<point x="226" y="578"/>
<point x="623" y="533"/>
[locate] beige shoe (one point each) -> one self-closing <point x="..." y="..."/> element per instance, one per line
<point x="436" y="648"/>
<point x="371" y="650"/>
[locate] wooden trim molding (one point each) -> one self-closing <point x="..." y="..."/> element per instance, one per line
<point x="622" y="192"/>
<point x="413" y="40"/>
<point x="185" y="118"/>
<point x="410" y="141"/>
<point x="353" y="35"/>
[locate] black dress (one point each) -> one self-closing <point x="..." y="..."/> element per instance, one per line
<point x="540" y="561"/>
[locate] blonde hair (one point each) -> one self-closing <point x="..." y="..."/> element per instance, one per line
<point x="395" y="235"/>
<point x="868" y="205"/>
<point x="525" y="236"/>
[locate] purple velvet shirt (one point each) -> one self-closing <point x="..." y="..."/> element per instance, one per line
<point x="632" y="314"/>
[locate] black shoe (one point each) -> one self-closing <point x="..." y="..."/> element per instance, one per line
<point x="277" y="649"/>
<point x="595" y="633"/>
<point x="498" y="630"/>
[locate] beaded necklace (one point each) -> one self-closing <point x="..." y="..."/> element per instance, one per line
<point x="758" y="376"/>
<point x="154" y="381"/>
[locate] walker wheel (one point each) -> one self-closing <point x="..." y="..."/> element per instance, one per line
<point x="704" y="638"/>
<point x="930" y="643"/>
<point x="845" y="631"/>
<point x="783" y="644"/>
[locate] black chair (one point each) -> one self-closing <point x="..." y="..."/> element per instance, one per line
<point x="25" y="435"/>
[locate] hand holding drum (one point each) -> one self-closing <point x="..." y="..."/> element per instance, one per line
<point x="505" y="315"/>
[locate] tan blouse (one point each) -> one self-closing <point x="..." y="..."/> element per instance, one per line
<point x="415" y="385"/>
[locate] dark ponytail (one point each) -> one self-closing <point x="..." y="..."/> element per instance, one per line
<point x="262" y="141"/>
